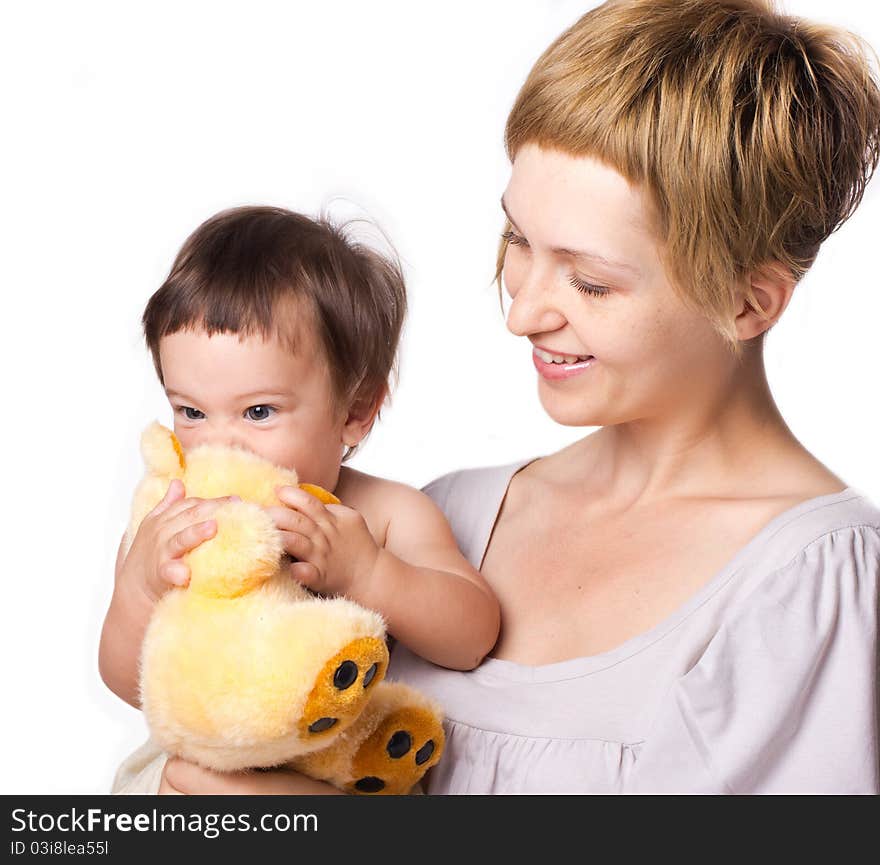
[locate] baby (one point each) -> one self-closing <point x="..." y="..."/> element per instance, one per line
<point x="276" y="333"/>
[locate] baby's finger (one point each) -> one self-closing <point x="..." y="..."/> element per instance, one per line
<point x="297" y="545"/>
<point x="305" y="503"/>
<point x="289" y="520"/>
<point x="198" y="509"/>
<point x="189" y="538"/>
<point x="175" y="572"/>
<point x="194" y="511"/>
<point x="307" y="575"/>
<point x="174" y="493"/>
<point x="181" y="506"/>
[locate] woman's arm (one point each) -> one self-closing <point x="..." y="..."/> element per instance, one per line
<point x="181" y="777"/>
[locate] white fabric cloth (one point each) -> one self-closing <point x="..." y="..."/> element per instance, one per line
<point x="764" y="681"/>
<point x="141" y="772"/>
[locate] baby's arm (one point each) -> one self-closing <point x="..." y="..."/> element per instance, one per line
<point x="433" y="600"/>
<point x="151" y="567"/>
<point x="408" y="568"/>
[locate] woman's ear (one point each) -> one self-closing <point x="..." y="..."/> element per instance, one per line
<point x="764" y="300"/>
<point x="361" y="417"/>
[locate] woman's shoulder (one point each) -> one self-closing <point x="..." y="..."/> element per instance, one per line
<point x="471" y="500"/>
<point x="822" y="553"/>
<point x="812" y="583"/>
<point x="483" y="482"/>
<point x="823" y="528"/>
<point x="783" y="694"/>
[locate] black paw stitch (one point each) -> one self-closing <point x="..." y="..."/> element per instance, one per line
<point x="370" y="784"/>
<point x="346" y="675"/>
<point x="424" y="753"/>
<point x="399" y="744"/>
<point x="370" y="675"/>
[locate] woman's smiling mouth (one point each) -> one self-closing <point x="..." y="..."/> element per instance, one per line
<point x="560" y="366"/>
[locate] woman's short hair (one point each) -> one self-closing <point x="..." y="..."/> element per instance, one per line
<point x="753" y="133"/>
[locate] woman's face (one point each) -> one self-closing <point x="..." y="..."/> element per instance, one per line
<point x="612" y="342"/>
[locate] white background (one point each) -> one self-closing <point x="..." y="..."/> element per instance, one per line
<point x="126" y="125"/>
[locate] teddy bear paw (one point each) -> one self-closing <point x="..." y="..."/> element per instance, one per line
<point x="343" y="687"/>
<point x="407" y="743"/>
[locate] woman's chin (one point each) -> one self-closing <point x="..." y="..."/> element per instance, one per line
<point x="573" y="412"/>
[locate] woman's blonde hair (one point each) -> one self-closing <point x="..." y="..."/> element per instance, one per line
<point x="753" y="133"/>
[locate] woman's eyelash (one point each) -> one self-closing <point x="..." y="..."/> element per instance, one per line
<point x="583" y="287"/>
<point x="515" y="239"/>
<point x="589" y="288"/>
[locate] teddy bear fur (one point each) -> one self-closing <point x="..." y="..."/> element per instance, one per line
<point x="245" y="668"/>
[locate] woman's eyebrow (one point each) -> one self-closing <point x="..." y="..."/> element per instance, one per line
<point x="579" y="253"/>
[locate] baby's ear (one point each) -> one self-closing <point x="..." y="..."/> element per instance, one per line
<point x="162" y="452"/>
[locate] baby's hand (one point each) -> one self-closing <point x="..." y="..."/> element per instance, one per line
<point x="174" y="527"/>
<point x="334" y="550"/>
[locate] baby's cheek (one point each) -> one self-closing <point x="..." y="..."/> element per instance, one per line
<point x="185" y="437"/>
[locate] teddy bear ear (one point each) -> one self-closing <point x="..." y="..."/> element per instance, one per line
<point x="162" y="452"/>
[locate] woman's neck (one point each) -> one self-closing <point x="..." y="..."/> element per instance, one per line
<point x="736" y="443"/>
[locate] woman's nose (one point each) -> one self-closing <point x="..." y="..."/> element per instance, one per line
<point x="532" y="307"/>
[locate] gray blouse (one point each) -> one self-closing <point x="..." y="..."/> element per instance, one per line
<point x="765" y="681"/>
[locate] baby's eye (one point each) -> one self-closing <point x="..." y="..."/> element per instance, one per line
<point x="260" y="412"/>
<point x="190" y="413"/>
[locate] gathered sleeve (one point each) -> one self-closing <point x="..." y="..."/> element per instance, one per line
<point x="784" y="698"/>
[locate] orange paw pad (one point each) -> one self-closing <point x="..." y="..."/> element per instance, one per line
<point x="320" y="494"/>
<point x="407" y="743"/>
<point x="343" y="687"/>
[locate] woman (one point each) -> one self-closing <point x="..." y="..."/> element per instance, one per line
<point x="689" y="597"/>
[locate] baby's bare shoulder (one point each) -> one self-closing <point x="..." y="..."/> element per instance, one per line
<point x="384" y="501"/>
<point x="355" y="486"/>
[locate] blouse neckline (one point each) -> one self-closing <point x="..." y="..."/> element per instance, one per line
<point x="588" y="664"/>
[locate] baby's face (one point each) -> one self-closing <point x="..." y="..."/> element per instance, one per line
<point x="256" y="394"/>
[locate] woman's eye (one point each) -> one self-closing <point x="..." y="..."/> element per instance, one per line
<point x="260" y="412"/>
<point x="190" y="413"/>
<point x="589" y="288"/>
<point x="514" y="239"/>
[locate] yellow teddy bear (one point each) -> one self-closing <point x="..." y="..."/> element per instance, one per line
<point x="245" y="668"/>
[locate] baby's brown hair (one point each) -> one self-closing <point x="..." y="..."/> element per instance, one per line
<point x="261" y="270"/>
<point x="754" y="134"/>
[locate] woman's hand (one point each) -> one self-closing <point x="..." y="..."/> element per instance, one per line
<point x="180" y="777"/>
